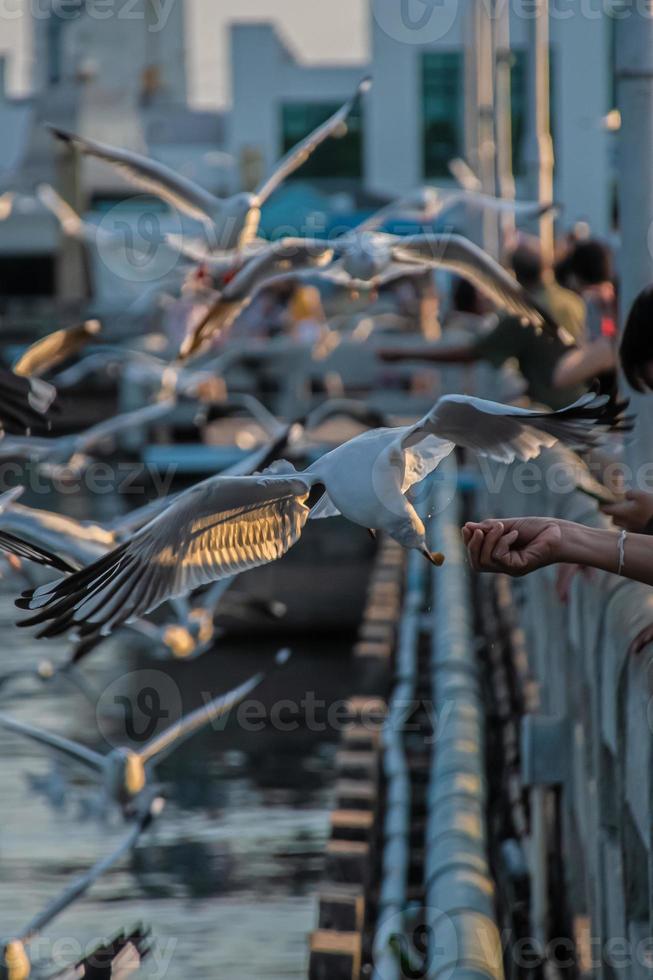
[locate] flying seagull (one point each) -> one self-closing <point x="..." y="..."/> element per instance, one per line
<point x="226" y="525"/>
<point x="232" y="222"/>
<point x="14" y="960"/>
<point x="363" y="264"/>
<point x="124" y="772"/>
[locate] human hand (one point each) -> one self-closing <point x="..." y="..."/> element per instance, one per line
<point x="516" y="546"/>
<point x="633" y="513"/>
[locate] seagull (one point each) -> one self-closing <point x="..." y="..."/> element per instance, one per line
<point x="273" y="260"/>
<point x="14" y="960"/>
<point x="226" y="525"/>
<point x="65" y="544"/>
<point x="26" y="404"/>
<point x="429" y="204"/>
<point x="71" y="454"/>
<point x="364" y="262"/>
<point x="46" y="354"/>
<point x="232" y="222"/>
<point x="113" y="960"/>
<point x="194" y="632"/>
<point x="125" y="772"/>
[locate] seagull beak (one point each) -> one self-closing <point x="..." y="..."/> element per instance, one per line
<point x="435" y="557"/>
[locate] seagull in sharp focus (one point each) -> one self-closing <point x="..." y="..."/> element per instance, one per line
<point x="227" y="525"/>
<point x="231" y="222"/>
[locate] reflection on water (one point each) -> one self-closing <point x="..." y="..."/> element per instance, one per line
<point x="227" y="875"/>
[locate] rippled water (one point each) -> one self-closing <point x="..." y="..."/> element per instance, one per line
<point x="226" y="877"/>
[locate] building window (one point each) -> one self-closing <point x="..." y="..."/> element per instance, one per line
<point x="341" y="158"/>
<point x="519" y="106"/>
<point x="442" y="95"/>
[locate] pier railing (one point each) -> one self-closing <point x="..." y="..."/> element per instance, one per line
<point x="591" y="742"/>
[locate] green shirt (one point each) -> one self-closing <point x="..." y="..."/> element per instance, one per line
<point x="537" y="355"/>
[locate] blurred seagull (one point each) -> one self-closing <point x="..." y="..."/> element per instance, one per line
<point x="46" y="354"/>
<point x="429" y="204"/>
<point x="71" y="454"/>
<point x="124" y="772"/>
<point x="364" y="262"/>
<point x="275" y="259"/>
<point x="14" y="960"/>
<point x="232" y="222"/>
<point x="226" y="525"/>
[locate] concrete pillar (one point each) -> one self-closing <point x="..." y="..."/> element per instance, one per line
<point x="540" y="145"/>
<point x="485" y="108"/>
<point x="503" y="113"/>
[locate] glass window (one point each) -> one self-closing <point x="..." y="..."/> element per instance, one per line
<point x="341" y="157"/>
<point x="442" y="95"/>
<point x="519" y="103"/>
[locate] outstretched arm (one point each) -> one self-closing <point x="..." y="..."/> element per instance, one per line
<point x="518" y="546"/>
<point x="441" y="355"/>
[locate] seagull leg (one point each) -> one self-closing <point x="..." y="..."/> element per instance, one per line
<point x="435" y="557"/>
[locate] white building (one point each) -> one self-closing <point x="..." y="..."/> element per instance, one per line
<point x="413" y="119"/>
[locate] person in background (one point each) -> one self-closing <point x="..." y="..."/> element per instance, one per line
<point x="536" y="353"/>
<point x="589" y="273"/>
<point x="518" y="546"/>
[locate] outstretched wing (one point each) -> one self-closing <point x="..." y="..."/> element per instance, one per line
<point x="300" y="153"/>
<point x="222" y="526"/>
<point x="468" y="260"/>
<point x="56" y="347"/>
<point x="286" y="254"/>
<point x="158" y="747"/>
<point x="149" y="175"/>
<point x="85" y="441"/>
<point x="72" y="750"/>
<point x="506" y="433"/>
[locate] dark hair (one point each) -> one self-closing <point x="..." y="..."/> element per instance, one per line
<point x="591" y="262"/>
<point x="636" y="350"/>
<point x="465" y="297"/>
<point x="526" y="262"/>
